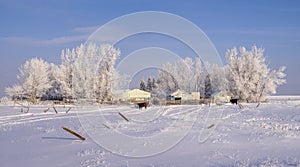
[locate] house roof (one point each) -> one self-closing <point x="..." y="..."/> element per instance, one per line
<point x="178" y="93"/>
<point x="181" y="93"/>
<point x="136" y="93"/>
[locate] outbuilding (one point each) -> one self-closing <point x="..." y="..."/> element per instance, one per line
<point x="137" y="95"/>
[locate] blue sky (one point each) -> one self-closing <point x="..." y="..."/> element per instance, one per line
<point x="35" y="28"/>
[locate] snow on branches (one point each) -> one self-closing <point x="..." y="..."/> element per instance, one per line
<point x="246" y="77"/>
<point x="33" y="80"/>
<point x="86" y="71"/>
<point x="249" y="76"/>
<point x="184" y="74"/>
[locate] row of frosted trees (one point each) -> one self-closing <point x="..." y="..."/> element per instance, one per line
<point x="85" y="72"/>
<point x="246" y="76"/>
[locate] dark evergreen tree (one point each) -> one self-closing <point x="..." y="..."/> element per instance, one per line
<point x="142" y="85"/>
<point x="153" y="84"/>
<point x="208" y="87"/>
<point x="149" y="85"/>
<point x="54" y="92"/>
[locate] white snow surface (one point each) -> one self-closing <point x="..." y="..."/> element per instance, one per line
<point x="268" y="135"/>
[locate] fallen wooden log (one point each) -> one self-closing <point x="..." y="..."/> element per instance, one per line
<point x="212" y="125"/>
<point x="68" y="110"/>
<point x="46" y="110"/>
<point x="105" y="125"/>
<point x="73" y="133"/>
<point x="55" y="109"/>
<point x="123" y="117"/>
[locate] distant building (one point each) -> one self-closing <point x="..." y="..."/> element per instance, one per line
<point x="182" y="95"/>
<point x="137" y="95"/>
<point x="120" y="95"/>
<point x="220" y="97"/>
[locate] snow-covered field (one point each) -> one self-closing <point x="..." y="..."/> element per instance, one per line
<point x="265" y="136"/>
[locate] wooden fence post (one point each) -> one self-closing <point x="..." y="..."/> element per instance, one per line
<point x="73" y="133"/>
<point x="123" y="116"/>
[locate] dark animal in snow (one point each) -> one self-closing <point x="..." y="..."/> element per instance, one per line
<point x="234" y="101"/>
<point x="141" y="105"/>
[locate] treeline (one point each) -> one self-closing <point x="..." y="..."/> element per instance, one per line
<point x="86" y="71"/>
<point x="246" y="76"/>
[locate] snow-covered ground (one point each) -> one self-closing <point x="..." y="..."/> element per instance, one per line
<point x="268" y="135"/>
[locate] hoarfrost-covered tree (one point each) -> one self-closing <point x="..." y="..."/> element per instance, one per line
<point x="87" y="71"/>
<point x="33" y="80"/>
<point x="166" y="82"/>
<point x="217" y="77"/>
<point x="81" y="78"/>
<point x="270" y="84"/>
<point x="106" y="73"/>
<point x="197" y="75"/>
<point x="250" y="78"/>
<point x="16" y="91"/>
<point x="55" y="92"/>
<point x="120" y="82"/>
<point x="64" y="74"/>
<point x="184" y="74"/>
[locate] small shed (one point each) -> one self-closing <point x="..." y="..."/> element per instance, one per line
<point x="182" y="95"/>
<point x="120" y="95"/>
<point x="195" y="95"/>
<point x="220" y="97"/>
<point x="177" y="95"/>
<point x="138" y="95"/>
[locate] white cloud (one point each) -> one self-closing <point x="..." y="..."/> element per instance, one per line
<point x="108" y="33"/>
<point x="62" y="40"/>
<point x="263" y="31"/>
<point x="82" y="34"/>
<point x="90" y="29"/>
<point x="41" y="42"/>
